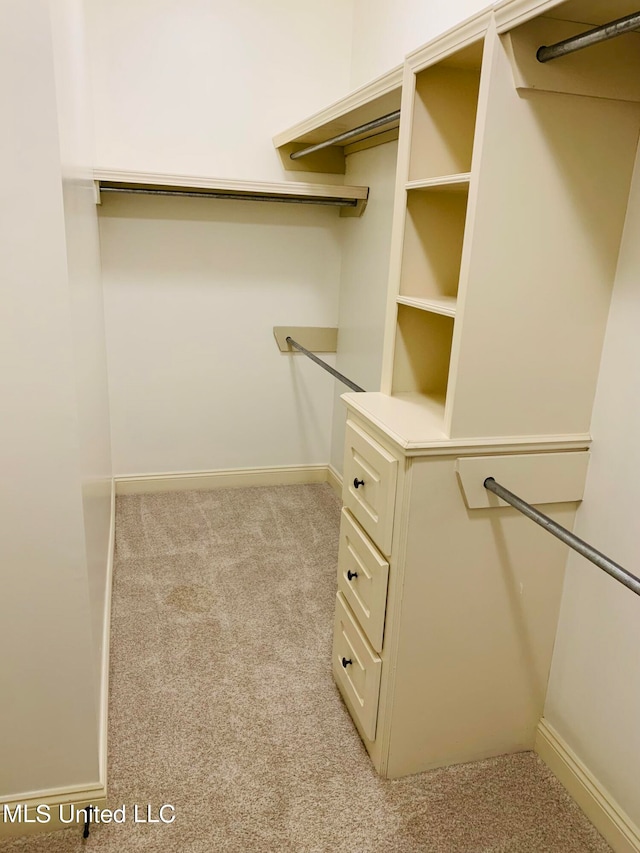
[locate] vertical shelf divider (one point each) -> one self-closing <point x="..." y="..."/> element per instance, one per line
<point x="434" y="178"/>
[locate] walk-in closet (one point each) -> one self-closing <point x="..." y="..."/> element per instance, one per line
<point x="320" y="426"/>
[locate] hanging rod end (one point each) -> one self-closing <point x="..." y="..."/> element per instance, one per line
<point x="541" y="53"/>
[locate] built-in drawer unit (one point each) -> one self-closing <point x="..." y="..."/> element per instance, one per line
<point x="363" y="574"/>
<point x="356" y="668"/>
<point x="370" y="475"/>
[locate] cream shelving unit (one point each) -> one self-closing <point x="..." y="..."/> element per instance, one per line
<point x="511" y="195"/>
<point x="491" y="223"/>
<point x="435" y="176"/>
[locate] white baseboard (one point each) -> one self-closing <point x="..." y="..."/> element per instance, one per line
<point x="106" y="640"/>
<point x="226" y="479"/>
<point x="594" y="800"/>
<point x="334" y="478"/>
<point x="48" y="819"/>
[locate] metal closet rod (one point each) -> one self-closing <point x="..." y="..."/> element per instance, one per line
<point x="348" y="134"/>
<point x="286" y="199"/>
<point x="597" y="557"/>
<point x="603" y="33"/>
<point x="323" y="364"/>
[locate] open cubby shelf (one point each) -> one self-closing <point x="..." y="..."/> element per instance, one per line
<point x="432" y="248"/>
<point x="423" y="350"/>
<point x="444" y="118"/>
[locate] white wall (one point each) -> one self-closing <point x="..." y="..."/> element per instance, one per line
<point x="594" y="691"/>
<point x="200" y="87"/>
<point x="75" y="128"/>
<point x="193" y="288"/>
<point x="366" y="243"/>
<point x="48" y="715"/>
<point x="386" y="30"/>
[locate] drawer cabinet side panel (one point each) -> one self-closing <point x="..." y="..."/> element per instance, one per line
<point x="478" y="618"/>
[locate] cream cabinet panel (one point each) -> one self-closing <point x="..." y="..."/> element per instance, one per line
<point x="538" y="478"/>
<point x="362" y="579"/>
<point x="370" y="475"/>
<point x="356" y="668"/>
<point x="479" y="593"/>
<point x="471" y="606"/>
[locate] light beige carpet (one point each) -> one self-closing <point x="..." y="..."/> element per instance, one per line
<point x="223" y="704"/>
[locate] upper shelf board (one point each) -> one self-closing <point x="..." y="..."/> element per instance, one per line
<point x="378" y="98"/>
<point x="511" y="13"/>
<point x="445" y="305"/>
<point x="460" y="47"/>
<point x="351" y="200"/>
<point x="446" y="183"/>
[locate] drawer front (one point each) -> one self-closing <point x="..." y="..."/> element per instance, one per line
<point x="356" y="668"/>
<point x="370" y="475"/>
<point x="363" y="574"/>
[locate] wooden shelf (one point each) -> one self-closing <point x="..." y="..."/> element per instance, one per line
<point x="351" y="200"/>
<point x="445" y="305"/>
<point x="410" y="420"/>
<point x="376" y="99"/>
<point x="446" y="183"/>
<point x="432" y="245"/>
<point x="422" y="352"/>
<point x="444" y="118"/>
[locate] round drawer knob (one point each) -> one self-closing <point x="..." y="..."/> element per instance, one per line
<point x="357" y="483"/>
<point x="345" y="662"/>
<point x="351" y="575"/>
